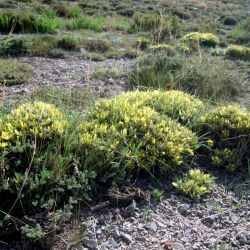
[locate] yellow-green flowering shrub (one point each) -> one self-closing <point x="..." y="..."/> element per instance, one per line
<point x="34" y="121"/>
<point x="120" y="137"/>
<point x="229" y="129"/>
<point x="238" y="52"/>
<point x="203" y="39"/>
<point x="178" y="105"/>
<point x="37" y="173"/>
<point x="196" y="184"/>
<point x="168" y="49"/>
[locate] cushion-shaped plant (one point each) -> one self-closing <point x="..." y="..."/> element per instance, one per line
<point x="178" y="105"/>
<point x="196" y="184"/>
<point x="33" y="121"/>
<point x="204" y="39"/>
<point x="229" y="129"/>
<point x="238" y="52"/>
<point x="121" y="138"/>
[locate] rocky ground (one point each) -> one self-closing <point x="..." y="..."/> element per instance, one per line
<point x="220" y="221"/>
<point x="70" y="73"/>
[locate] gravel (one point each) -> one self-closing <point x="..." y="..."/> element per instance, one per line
<point x="219" y="221"/>
<point x="70" y="73"/>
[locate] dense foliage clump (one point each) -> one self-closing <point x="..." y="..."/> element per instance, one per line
<point x="228" y="128"/>
<point x="238" y="52"/>
<point x="120" y="138"/>
<point x="177" y="105"/>
<point x="203" y="39"/>
<point x="196" y="184"/>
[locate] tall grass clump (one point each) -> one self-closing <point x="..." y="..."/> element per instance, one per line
<point x="194" y="75"/>
<point x="26" y="22"/>
<point x="96" y="24"/>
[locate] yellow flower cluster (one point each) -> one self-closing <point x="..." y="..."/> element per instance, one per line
<point x="228" y="121"/>
<point x="32" y="120"/>
<point x="175" y="104"/>
<point x="206" y="39"/>
<point x="196" y="184"/>
<point x="123" y="134"/>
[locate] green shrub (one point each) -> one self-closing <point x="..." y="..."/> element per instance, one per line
<point x="196" y="184"/>
<point x="68" y="42"/>
<point x="13" y="46"/>
<point x="13" y="72"/>
<point x="175" y="104"/>
<point x="119" y="139"/>
<point x="97" y="45"/>
<point x="238" y="52"/>
<point x="41" y="45"/>
<point x="96" y="24"/>
<point x="228" y="127"/>
<point x="193" y="75"/>
<point x="203" y="39"/>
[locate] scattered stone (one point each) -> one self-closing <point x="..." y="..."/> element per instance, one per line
<point x="183" y="209"/>
<point x="127" y="238"/>
<point x="91" y="244"/>
<point x="130" y="210"/>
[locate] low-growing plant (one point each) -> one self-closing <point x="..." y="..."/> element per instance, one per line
<point x="119" y="139"/>
<point x="105" y="73"/>
<point x="238" y="52"/>
<point x="196" y="184"/>
<point x="168" y="49"/>
<point x="145" y="22"/>
<point x="202" y="39"/>
<point x="97" y="45"/>
<point x="41" y="45"/>
<point x="13" y="72"/>
<point x="68" y="42"/>
<point x="229" y="129"/>
<point x="158" y="194"/>
<point x="13" y="46"/>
